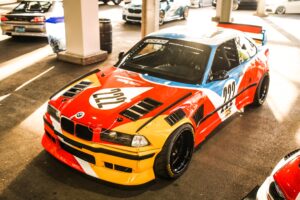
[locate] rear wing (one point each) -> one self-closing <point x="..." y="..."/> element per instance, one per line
<point x="257" y="33"/>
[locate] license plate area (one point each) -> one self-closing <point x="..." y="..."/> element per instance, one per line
<point x="19" y="29"/>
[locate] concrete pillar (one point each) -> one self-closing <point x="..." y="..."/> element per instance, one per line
<point x="223" y="11"/>
<point x="82" y="32"/>
<point x="150" y="16"/>
<point x="261" y="12"/>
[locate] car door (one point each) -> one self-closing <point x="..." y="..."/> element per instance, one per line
<point x="173" y="7"/>
<point x="249" y="64"/>
<point x="224" y="80"/>
<point x="207" y="2"/>
<point x="293" y="6"/>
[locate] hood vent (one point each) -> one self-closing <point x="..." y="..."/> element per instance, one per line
<point x="140" y="109"/>
<point x="175" y="117"/>
<point x="77" y="89"/>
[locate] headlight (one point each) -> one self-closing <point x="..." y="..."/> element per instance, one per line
<point x="123" y="138"/>
<point x="53" y="112"/>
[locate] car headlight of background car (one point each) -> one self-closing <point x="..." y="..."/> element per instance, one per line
<point x="123" y="138"/>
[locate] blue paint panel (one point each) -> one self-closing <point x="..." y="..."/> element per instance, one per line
<point x="55" y="20"/>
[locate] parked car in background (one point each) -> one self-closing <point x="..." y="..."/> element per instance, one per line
<point x="28" y="18"/>
<point x="201" y="3"/>
<point x="116" y="2"/>
<point x="283" y="6"/>
<point x="169" y="10"/>
<point x="284" y="181"/>
<point x="239" y="3"/>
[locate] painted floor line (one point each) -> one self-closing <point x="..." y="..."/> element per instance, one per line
<point x="33" y="79"/>
<point x="4" y="97"/>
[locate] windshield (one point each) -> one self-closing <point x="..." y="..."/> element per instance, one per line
<point x="33" y="6"/>
<point x="174" y="60"/>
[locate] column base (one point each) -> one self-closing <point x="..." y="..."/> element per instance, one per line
<point x="261" y="14"/>
<point x="218" y="19"/>
<point x="81" y="60"/>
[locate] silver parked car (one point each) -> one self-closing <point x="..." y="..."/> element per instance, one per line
<point x="28" y="18"/>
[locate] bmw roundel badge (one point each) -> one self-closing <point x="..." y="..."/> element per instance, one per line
<point x="79" y="115"/>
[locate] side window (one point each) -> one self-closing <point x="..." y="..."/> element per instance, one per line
<point x="246" y="49"/>
<point x="226" y="57"/>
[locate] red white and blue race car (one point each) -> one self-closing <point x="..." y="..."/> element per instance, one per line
<point x="142" y="118"/>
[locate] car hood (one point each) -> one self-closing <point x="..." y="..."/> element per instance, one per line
<point x="288" y="178"/>
<point x="106" y="104"/>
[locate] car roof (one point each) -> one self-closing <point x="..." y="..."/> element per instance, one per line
<point x="212" y="36"/>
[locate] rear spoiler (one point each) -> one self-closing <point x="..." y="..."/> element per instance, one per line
<point x="257" y="33"/>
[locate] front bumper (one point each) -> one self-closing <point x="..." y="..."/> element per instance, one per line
<point x="132" y="17"/>
<point x="11" y="29"/>
<point x="104" y="163"/>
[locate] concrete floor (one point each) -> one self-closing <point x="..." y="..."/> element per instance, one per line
<point x="237" y="156"/>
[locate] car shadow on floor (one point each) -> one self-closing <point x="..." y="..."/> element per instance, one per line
<point x="46" y="175"/>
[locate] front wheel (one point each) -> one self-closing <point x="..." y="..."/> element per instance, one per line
<point x="280" y="10"/>
<point x="117" y="2"/>
<point x="261" y="91"/>
<point x="185" y="13"/>
<point x="176" y="154"/>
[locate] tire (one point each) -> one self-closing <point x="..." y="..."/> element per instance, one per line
<point x="176" y="154"/>
<point x="161" y="17"/>
<point x="185" y="13"/>
<point x="117" y="2"/>
<point x="235" y="6"/>
<point x="200" y="4"/>
<point x="280" y="10"/>
<point x="261" y="91"/>
<point x="105" y="1"/>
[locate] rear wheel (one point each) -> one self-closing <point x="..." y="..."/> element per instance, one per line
<point x="117" y="2"/>
<point x="176" y="154"/>
<point x="161" y="17"/>
<point x="261" y="91"/>
<point x="280" y="10"/>
<point x="235" y="6"/>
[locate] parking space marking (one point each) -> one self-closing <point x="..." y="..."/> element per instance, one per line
<point x="34" y="78"/>
<point x="17" y="64"/>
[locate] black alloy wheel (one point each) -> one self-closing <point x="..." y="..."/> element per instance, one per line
<point x="262" y="91"/>
<point x="176" y="154"/>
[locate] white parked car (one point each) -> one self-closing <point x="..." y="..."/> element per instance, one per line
<point x="283" y="6"/>
<point x="201" y="3"/>
<point x="169" y="10"/>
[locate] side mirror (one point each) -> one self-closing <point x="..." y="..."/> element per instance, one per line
<point x="121" y="55"/>
<point x="219" y="75"/>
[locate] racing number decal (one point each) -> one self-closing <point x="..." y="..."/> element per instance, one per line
<point x="228" y="95"/>
<point x="110" y="98"/>
<point x="114" y="96"/>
